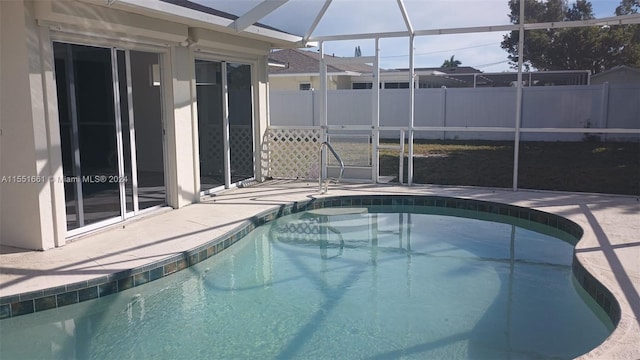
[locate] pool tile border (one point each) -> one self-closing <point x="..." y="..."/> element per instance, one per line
<point x="51" y="298"/>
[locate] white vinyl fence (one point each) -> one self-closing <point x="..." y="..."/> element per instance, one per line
<point x="608" y="106"/>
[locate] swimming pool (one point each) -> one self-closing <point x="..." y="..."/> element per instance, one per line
<point x="367" y="281"/>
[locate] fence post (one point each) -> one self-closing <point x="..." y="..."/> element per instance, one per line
<point x="375" y="126"/>
<point x="412" y="120"/>
<point x="516" y="142"/>
<point x="605" y="107"/>
<point x="314" y="117"/>
<point x="324" y="121"/>
<point x="444" y="111"/>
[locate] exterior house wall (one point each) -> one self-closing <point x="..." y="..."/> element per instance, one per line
<point x="341" y="82"/>
<point x="29" y="207"/>
<point x="281" y="83"/>
<point x="622" y="75"/>
<point x="290" y="83"/>
<point x="32" y="208"/>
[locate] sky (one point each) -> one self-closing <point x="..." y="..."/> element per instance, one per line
<point x="479" y="50"/>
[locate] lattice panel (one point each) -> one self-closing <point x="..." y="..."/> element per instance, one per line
<point x="307" y="230"/>
<point x="212" y="146"/>
<point x="293" y="153"/>
<point x="241" y="143"/>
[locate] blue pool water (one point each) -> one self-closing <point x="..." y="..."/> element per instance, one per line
<point x="341" y="284"/>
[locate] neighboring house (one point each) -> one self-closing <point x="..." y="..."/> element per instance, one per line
<point x="294" y="69"/>
<point x="110" y="109"/>
<point x="617" y="75"/>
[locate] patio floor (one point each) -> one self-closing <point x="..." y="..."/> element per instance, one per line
<point x="609" y="249"/>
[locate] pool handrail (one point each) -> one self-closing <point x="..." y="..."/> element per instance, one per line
<point x="335" y="154"/>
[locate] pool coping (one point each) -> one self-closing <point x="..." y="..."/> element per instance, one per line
<point x="49" y="298"/>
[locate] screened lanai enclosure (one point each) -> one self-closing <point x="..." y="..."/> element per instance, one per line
<point x="515" y="122"/>
<point x="535" y="94"/>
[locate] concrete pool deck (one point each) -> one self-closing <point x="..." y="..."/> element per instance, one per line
<point x="609" y="249"/>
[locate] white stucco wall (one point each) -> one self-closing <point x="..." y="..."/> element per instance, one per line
<point x="27" y="197"/>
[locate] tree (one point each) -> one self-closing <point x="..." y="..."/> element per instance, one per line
<point x="449" y="63"/>
<point x="626" y="35"/>
<point x="594" y="48"/>
<point x="628" y="7"/>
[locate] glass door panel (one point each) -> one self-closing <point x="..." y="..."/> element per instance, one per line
<point x="240" y="121"/>
<point x="210" y="123"/>
<point x="96" y="133"/>
<point x="88" y="134"/>
<point x="149" y="137"/>
<point x="68" y="129"/>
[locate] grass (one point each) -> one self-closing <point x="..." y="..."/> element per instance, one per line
<point x="599" y="167"/>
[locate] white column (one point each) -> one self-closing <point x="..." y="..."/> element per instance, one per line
<point x="182" y="150"/>
<point x="261" y="120"/>
<point x="59" y="214"/>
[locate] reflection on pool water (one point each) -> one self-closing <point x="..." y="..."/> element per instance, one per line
<point x="341" y="284"/>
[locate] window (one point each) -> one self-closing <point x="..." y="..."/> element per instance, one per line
<point x="361" y="85"/>
<point x="396" y="85"/>
<point x="305" y="86"/>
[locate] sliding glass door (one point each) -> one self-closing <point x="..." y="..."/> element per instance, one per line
<point x="225" y="123"/>
<point x="105" y="177"/>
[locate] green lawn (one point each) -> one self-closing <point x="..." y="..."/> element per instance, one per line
<point x="601" y="167"/>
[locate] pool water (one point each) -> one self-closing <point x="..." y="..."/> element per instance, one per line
<point x="341" y="284"/>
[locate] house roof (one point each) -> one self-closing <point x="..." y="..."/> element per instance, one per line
<point x="447" y="70"/>
<point x="308" y="62"/>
